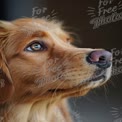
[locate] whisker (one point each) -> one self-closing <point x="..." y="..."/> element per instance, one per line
<point x="90" y="100"/>
<point x="56" y="90"/>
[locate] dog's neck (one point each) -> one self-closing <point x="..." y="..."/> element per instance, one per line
<point x="15" y="112"/>
<point x="42" y="111"/>
<point x="24" y="112"/>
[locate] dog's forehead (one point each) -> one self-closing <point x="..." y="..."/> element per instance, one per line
<point x="37" y="26"/>
<point x="33" y="25"/>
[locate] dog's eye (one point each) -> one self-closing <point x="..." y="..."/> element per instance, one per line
<point x="36" y="46"/>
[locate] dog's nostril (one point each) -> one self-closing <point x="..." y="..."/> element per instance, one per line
<point x="101" y="58"/>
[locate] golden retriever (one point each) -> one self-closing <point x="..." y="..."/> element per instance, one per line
<point x="40" y="69"/>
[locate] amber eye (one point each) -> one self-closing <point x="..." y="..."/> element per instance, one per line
<point x="36" y="46"/>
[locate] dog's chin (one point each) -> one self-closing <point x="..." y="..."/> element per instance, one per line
<point x="99" y="78"/>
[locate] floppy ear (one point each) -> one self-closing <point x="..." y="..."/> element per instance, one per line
<point x="5" y="29"/>
<point x="5" y="26"/>
<point x="6" y="84"/>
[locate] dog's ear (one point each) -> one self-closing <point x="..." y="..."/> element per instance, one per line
<point x="5" y="30"/>
<point x="6" y="84"/>
<point x="5" y="26"/>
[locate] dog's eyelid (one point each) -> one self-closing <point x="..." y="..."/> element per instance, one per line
<point x="35" y="41"/>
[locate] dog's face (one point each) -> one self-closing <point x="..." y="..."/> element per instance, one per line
<point x="42" y="63"/>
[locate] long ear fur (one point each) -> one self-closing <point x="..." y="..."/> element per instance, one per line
<point x="6" y="84"/>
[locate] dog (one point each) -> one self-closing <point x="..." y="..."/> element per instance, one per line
<point x="40" y="69"/>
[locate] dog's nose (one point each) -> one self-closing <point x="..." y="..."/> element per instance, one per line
<point x="101" y="58"/>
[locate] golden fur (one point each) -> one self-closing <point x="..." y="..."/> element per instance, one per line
<point x="37" y="84"/>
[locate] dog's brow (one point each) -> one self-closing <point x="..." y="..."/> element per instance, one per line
<point x="39" y="34"/>
<point x="32" y="27"/>
<point x="38" y="25"/>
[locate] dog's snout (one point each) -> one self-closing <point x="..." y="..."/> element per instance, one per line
<point x="101" y="58"/>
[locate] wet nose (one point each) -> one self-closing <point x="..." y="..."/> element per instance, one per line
<point x="101" y="58"/>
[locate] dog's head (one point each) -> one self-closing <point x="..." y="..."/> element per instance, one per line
<point x="37" y="62"/>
